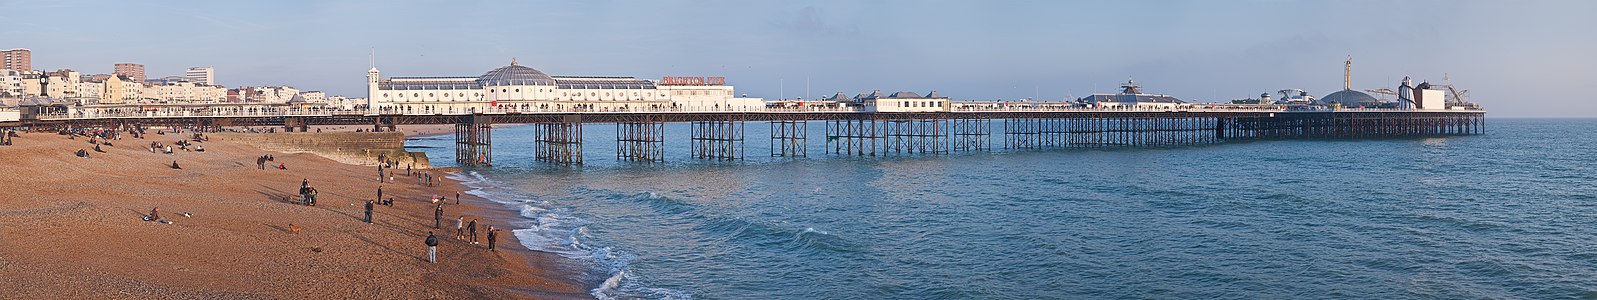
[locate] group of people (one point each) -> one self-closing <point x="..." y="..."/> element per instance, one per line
<point x="465" y="232"/>
<point x="307" y="193"/>
<point x="260" y="162"/>
<point x="5" y="139"/>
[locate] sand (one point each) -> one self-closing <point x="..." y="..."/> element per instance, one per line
<point x="73" y="229"/>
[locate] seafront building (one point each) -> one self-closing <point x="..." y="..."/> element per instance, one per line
<point x="19" y="59"/>
<point x="205" y="75"/>
<point x="523" y="88"/>
<point x="10" y="83"/>
<point x="131" y="70"/>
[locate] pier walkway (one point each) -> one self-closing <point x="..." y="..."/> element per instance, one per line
<point x="719" y="134"/>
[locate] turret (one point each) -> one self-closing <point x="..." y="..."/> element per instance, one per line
<point x="372" y="78"/>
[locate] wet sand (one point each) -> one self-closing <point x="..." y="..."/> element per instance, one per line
<point x="74" y="229"/>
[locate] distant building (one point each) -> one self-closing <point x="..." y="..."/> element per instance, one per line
<point x="316" y="97"/>
<point x="19" y="59"/>
<point x="11" y="84"/>
<point x="904" y="102"/>
<point x="519" y="87"/>
<point x="1131" y="95"/>
<point x="269" y="94"/>
<point x="121" y="90"/>
<point x="183" y="91"/>
<point x="205" y="76"/>
<point x="61" y="84"/>
<point x="131" y="70"/>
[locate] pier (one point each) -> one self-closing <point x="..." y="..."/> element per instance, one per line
<point x="720" y="135"/>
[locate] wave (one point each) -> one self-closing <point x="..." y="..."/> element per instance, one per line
<point x="554" y="231"/>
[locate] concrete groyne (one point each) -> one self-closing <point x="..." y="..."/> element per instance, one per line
<point x="360" y="148"/>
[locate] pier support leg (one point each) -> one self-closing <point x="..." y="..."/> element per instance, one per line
<point x="788" y="138"/>
<point x="721" y="140"/>
<point x="910" y="136"/>
<point x="641" y="141"/>
<point x="1022" y="133"/>
<point x="474" y="141"/>
<point x="972" y="134"/>
<point x="853" y="137"/>
<point x="558" y="142"/>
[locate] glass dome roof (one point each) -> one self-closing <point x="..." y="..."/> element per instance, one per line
<point x="515" y="74"/>
<point x="1349" y="98"/>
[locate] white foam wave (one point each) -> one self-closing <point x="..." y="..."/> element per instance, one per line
<point x="553" y="232"/>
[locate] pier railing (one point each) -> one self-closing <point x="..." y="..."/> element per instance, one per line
<point x="222" y="112"/>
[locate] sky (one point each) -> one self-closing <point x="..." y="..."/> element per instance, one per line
<point x="1517" y="58"/>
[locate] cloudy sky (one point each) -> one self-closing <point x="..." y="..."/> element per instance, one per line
<point x="1518" y="58"/>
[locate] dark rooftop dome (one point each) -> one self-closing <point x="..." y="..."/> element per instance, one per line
<point x="515" y="74"/>
<point x="1349" y="98"/>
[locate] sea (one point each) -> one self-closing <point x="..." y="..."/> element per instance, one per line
<point x="1508" y="214"/>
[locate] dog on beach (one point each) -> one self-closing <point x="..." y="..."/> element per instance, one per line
<point x="293" y="228"/>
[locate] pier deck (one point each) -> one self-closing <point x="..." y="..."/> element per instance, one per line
<point x="720" y="134"/>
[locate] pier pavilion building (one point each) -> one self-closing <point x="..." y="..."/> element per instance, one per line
<point x="1131" y="96"/>
<point x="518" y="87"/>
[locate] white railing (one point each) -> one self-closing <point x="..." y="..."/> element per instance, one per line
<point x="233" y="111"/>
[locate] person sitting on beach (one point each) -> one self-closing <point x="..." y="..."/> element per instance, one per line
<point x="199" y="148"/>
<point x="155" y="215"/>
<point x="280" y="166"/>
<point x="174" y="165"/>
<point x="83" y="154"/>
<point x="97" y="149"/>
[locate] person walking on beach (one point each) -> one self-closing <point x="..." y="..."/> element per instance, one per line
<point x="432" y="247"/>
<point x="460" y="228"/>
<point x="472" y="228"/>
<point x="438" y="217"/>
<point x="369" y="205"/>
<point x="380" y="174"/>
<point x="457" y="198"/>
<point x="492" y="236"/>
<point x="379" y="192"/>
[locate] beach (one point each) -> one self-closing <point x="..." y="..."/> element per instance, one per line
<point x="76" y="229"/>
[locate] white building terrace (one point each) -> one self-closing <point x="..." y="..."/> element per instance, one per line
<point x="519" y="87"/>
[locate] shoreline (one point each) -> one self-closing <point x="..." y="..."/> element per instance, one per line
<point x="77" y="231"/>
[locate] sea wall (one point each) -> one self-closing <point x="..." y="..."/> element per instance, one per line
<point x="359" y="148"/>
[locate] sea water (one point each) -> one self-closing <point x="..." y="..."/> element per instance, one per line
<point x="1508" y="214"/>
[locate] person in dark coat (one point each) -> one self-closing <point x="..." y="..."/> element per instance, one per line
<point x="438" y="217"/>
<point x="492" y="236"/>
<point x="472" y="228"/>
<point x="369" y="205"/>
<point x="432" y="247"/>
